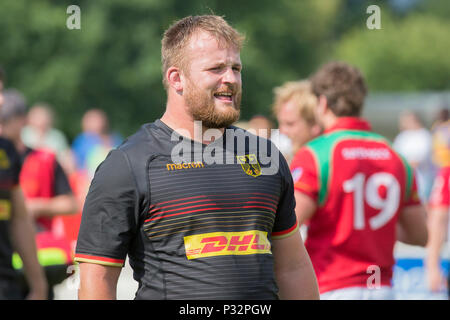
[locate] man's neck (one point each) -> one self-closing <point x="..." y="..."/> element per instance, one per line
<point x="329" y="120"/>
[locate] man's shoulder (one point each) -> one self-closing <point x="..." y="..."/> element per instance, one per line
<point x="149" y="139"/>
<point x="330" y="139"/>
<point x="259" y="141"/>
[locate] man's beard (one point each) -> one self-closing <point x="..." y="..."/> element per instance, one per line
<point x="202" y="108"/>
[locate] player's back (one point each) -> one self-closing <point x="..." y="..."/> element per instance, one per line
<point x="363" y="185"/>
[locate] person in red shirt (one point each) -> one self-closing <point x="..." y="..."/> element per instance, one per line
<point x="439" y="209"/>
<point x="438" y="228"/>
<point x="358" y="195"/>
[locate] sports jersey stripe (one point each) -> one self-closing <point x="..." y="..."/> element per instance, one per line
<point x="205" y="209"/>
<point x="155" y="212"/>
<point x="409" y="177"/>
<point x="183" y="220"/>
<point x="98" y="260"/>
<point x="188" y="178"/>
<point x="154" y="208"/>
<point x="212" y="195"/>
<point x="285" y="233"/>
<point x="219" y="213"/>
<point x="202" y="189"/>
<point x="264" y="219"/>
<point x="214" y="224"/>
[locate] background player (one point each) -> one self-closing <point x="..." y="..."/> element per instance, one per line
<point x="16" y="228"/>
<point x="47" y="193"/>
<point x="358" y="194"/>
<point x="439" y="209"/>
<point x="294" y="107"/>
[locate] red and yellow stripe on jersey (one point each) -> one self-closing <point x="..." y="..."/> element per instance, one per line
<point x="99" y="260"/>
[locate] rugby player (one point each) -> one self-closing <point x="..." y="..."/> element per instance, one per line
<point x="294" y="107"/>
<point x="16" y="228"/>
<point x="194" y="230"/>
<point x="358" y="195"/>
<point x="439" y="209"/>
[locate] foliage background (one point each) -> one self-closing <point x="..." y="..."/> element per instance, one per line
<point x="113" y="62"/>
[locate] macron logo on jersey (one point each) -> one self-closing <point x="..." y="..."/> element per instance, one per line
<point x="181" y="166"/>
<point x="366" y="153"/>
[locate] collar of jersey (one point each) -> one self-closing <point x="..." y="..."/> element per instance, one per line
<point x="350" y="123"/>
<point x="171" y="131"/>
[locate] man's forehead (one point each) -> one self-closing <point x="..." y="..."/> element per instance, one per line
<point x="202" y="41"/>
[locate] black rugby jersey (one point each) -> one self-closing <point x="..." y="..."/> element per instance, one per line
<point x="199" y="227"/>
<point x="9" y="179"/>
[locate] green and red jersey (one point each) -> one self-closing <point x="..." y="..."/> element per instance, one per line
<point x="360" y="185"/>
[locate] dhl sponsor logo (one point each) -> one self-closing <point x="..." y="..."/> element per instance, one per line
<point x="226" y="243"/>
<point x="181" y="166"/>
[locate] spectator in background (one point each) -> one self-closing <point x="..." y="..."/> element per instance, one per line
<point x="294" y="108"/>
<point x="93" y="144"/>
<point x="39" y="132"/>
<point x="16" y="228"/>
<point x="441" y="139"/>
<point x="414" y="143"/>
<point x="46" y="189"/>
<point x="441" y="117"/>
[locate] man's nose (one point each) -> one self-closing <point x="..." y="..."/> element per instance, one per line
<point x="230" y="76"/>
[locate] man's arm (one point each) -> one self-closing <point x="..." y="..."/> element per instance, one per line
<point x="305" y="207"/>
<point x="23" y="239"/>
<point x="293" y="269"/>
<point x="98" y="282"/>
<point x="412" y="226"/>
<point x="437" y="226"/>
<point x="64" y="204"/>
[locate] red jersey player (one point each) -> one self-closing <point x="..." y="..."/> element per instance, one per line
<point x="358" y="195"/>
<point x="439" y="209"/>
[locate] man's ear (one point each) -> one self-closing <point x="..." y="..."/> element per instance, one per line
<point x="174" y="78"/>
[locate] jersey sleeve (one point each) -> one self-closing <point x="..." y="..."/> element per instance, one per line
<point x="285" y="218"/>
<point x="440" y="193"/>
<point x="61" y="184"/>
<point x="108" y="221"/>
<point x="304" y="173"/>
<point x="413" y="198"/>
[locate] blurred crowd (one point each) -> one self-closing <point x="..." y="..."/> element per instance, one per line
<point x="54" y="177"/>
<point x="55" y="174"/>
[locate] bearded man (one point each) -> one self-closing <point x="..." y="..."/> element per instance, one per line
<point x="194" y="229"/>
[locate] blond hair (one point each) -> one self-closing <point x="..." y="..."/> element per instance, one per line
<point x="299" y="92"/>
<point x="177" y="36"/>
